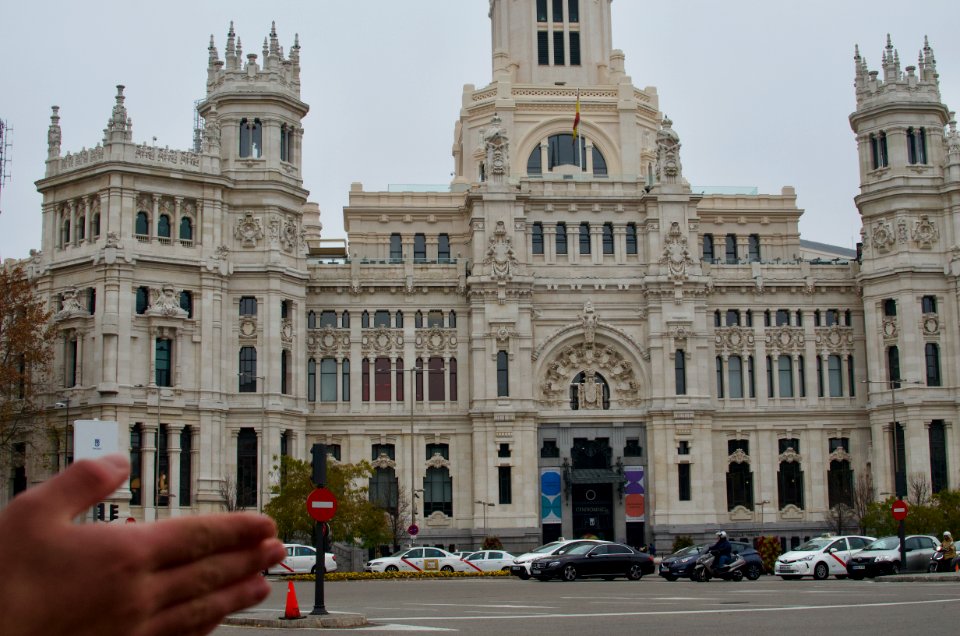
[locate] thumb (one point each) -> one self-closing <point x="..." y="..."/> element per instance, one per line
<point x="85" y="483"/>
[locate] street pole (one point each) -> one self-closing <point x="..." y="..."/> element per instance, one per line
<point x="485" y="506"/>
<point x="319" y="454"/>
<point x="413" y="477"/>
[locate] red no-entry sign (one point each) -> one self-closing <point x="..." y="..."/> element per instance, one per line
<point x="321" y="504"/>
<point x="899" y="509"/>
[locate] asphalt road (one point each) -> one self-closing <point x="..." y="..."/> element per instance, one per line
<point x="510" y="606"/>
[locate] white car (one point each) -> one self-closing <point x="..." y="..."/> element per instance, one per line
<point x="302" y="559"/>
<point x="521" y="564"/>
<point x="421" y="559"/>
<point x="820" y="557"/>
<point x="489" y="561"/>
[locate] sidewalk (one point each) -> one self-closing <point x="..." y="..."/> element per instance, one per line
<point x="945" y="577"/>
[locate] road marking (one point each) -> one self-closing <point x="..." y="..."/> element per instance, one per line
<point x="792" y="608"/>
<point x="393" y="627"/>
<point x="485" y="605"/>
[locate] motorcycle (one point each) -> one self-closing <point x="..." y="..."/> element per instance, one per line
<point x="940" y="564"/>
<point x="703" y="570"/>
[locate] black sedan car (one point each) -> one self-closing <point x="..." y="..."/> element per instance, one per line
<point x="680" y="563"/>
<point x="605" y="560"/>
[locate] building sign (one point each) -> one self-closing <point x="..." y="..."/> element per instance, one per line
<point x="93" y="439"/>
<point x="550" y="489"/>
<point x="634" y="493"/>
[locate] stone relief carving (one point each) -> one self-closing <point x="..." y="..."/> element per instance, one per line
<point x="436" y="340"/>
<point x="603" y="359"/>
<point x="383" y="461"/>
<point x="500" y="256"/>
<point x="590" y="391"/>
<point x="676" y="255"/>
<point x="166" y="303"/>
<point x="835" y="339"/>
<point x="286" y="331"/>
<point x="113" y="240"/>
<point x="883" y="238"/>
<point x="669" y="169"/>
<point x="589" y="320"/>
<point x="839" y="455"/>
<point x="328" y="341"/>
<point x="738" y="457"/>
<point x="382" y="340"/>
<point x="925" y="232"/>
<point x="497" y="146"/>
<point x="71" y="305"/>
<point x="248" y="328"/>
<point x="735" y="340"/>
<point x="889" y="328"/>
<point x="438" y="461"/>
<point x="902" y="233"/>
<point x="931" y="325"/>
<point x="249" y="230"/>
<point x="784" y="339"/>
<point x="789" y="456"/>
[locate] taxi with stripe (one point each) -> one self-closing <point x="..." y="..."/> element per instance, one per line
<point x="417" y="559"/>
<point x="820" y="558"/>
<point x="488" y="561"/>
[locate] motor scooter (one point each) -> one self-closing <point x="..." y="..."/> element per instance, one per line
<point x="938" y="563"/>
<point x="703" y="570"/>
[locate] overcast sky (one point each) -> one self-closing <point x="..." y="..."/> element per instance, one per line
<point x="758" y="90"/>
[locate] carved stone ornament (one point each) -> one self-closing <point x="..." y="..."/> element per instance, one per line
<point x="839" y="455"/>
<point x="113" y="240"/>
<point x="437" y="340"/>
<point x="286" y="331"/>
<point x="497" y="151"/>
<point x="889" y="328"/>
<point x="590" y="392"/>
<point x="248" y="327"/>
<point x="289" y="236"/>
<point x="789" y="456"/>
<point x="741" y="513"/>
<point x="680" y="335"/>
<point x="589" y="320"/>
<point x="669" y="169"/>
<point x="738" y="457"/>
<point x="902" y="233"/>
<point x="603" y="359"/>
<point x="166" y="303"/>
<point x="883" y="238"/>
<point x="735" y="340"/>
<point x="791" y="513"/>
<point x="925" y="233"/>
<point x="834" y="339"/>
<point x="676" y="255"/>
<point x="383" y="461"/>
<point x="71" y="306"/>
<point x="249" y="230"/>
<point x="784" y="339"/>
<point x="328" y="341"/>
<point x="438" y="461"/>
<point x="931" y="325"/>
<point x="382" y="340"/>
<point x="500" y="256"/>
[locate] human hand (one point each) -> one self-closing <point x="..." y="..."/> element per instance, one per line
<point x="179" y="576"/>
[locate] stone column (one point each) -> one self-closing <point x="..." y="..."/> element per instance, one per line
<point x="148" y="476"/>
<point x="173" y="479"/>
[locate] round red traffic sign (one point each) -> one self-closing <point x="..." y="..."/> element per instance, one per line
<point x="321" y="504"/>
<point x="130" y="520"/>
<point x="413" y="530"/>
<point x="899" y="509"/>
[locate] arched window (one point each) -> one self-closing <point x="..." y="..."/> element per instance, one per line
<point x="163" y="226"/>
<point x="561" y="247"/>
<point x="186" y="302"/>
<point x="143" y="299"/>
<point x="186" y="229"/>
<point x="790" y="477"/>
<point x="731" y="249"/>
<point x="311" y="319"/>
<point x="840" y="483"/>
<point x="708" y="248"/>
<point x="384" y="489"/>
<point x="399" y="373"/>
<point x="247" y="467"/>
<point x="248" y="306"/>
<point x="66" y="232"/>
<point x="81" y="228"/>
<point x="251" y="138"/>
<point x="916" y="145"/>
<point x="286" y="143"/>
<point x="396" y="247"/>
<point x="563" y="151"/>
<point x="589" y="393"/>
<point x="142" y="227"/>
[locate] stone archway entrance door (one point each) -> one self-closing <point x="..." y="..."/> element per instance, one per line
<point x="593" y="511"/>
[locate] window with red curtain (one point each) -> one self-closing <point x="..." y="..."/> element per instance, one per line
<point x="399" y="379"/>
<point x="365" y="380"/>
<point x="453" y="379"/>
<point x="381" y="379"/>
<point x="437" y="394"/>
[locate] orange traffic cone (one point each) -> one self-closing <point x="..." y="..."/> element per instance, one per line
<point x="293" y="608"/>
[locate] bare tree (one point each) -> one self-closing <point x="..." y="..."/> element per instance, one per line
<point x="919" y="489"/>
<point x="864" y="494"/>
<point x="228" y="495"/>
<point x="397" y="517"/>
<point x="840" y="517"/>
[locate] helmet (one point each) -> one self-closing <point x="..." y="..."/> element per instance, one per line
<point x="946" y="533"/>
<point x="721" y="534"/>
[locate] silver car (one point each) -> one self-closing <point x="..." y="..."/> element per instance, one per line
<point x="883" y="556"/>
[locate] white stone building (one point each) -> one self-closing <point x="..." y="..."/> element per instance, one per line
<point x="608" y="350"/>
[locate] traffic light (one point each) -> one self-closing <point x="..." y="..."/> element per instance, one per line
<point x="100" y="511"/>
<point x="114" y="512"/>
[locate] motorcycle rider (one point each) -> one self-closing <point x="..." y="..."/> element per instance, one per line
<point x="949" y="550"/>
<point x="722" y="550"/>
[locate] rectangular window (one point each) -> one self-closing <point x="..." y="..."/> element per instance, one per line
<point x="381" y="379"/>
<point x="536" y="238"/>
<point x="708" y="248"/>
<point x="435" y="379"/>
<point x="783" y="318"/>
<point x="328" y="380"/>
<point x="574" y="48"/>
<point x="136" y="465"/>
<point x="550" y="449"/>
<point x="938" y="456"/>
<point x="434" y="318"/>
<point x="683" y="481"/>
<point x="754" y="248"/>
<point x="785" y="376"/>
<point x="932" y="355"/>
<point x="248" y="306"/>
<point x="443" y="248"/>
<point x="733" y="317"/>
<point x="399" y="373"/>
<point x="506" y="485"/>
<point x="850" y="379"/>
<point x="247" y="468"/>
<point x="731" y="249"/>
<point x="899" y="460"/>
<point x="285" y="372"/>
<point x="558" y="56"/>
<point x="573" y="11"/>
<point x="419" y="248"/>
<point x="365" y="380"/>
<point x="719" y="377"/>
<point x="186" y="468"/>
<point x="453" y="379"/>
<point x="541" y="10"/>
<point x="735" y="369"/>
<point x="557" y="11"/>
<point x="608" y="238"/>
<point x="543" y="48"/>
<point x="503" y="374"/>
<point x="584" y="238"/>
<point x="631" y="238"/>
<point x="561" y="238"/>
<point x="889" y="307"/>
<point x="396" y="247"/>
<point x="247" y="375"/>
<point x="680" y="371"/>
<point x="633" y="448"/>
<point x="835" y="375"/>
<point x="751" y="377"/>
<point x="381" y="318"/>
<point x="345" y="380"/>
<point x="928" y="304"/>
<point x="328" y="318"/>
<point x="311" y="380"/>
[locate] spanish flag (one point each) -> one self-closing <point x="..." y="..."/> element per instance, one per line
<point x="576" y="119"/>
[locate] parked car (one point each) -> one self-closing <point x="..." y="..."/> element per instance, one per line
<point x="302" y="559"/>
<point x="462" y="554"/>
<point x="521" y="564"/>
<point x="680" y="564"/>
<point x="820" y="557"/>
<point x="422" y="559"/>
<point x="883" y="556"/>
<point x="489" y="561"/>
<point x="605" y="560"/>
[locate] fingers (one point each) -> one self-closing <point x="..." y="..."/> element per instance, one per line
<point x="187" y="539"/>
<point x="78" y="488"/>
<point x="179" y="584"/>
<point x="202" y="614"/>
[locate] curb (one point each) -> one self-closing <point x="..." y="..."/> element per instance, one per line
<point x="328" y="620"/>
<point x="918" y="578"/>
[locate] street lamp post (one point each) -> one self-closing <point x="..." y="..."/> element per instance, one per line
<point x="485" y="505"/>
<point x="413" y="473"/>
<point x="894" y="383"/>
<point x="65" y="404"/>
